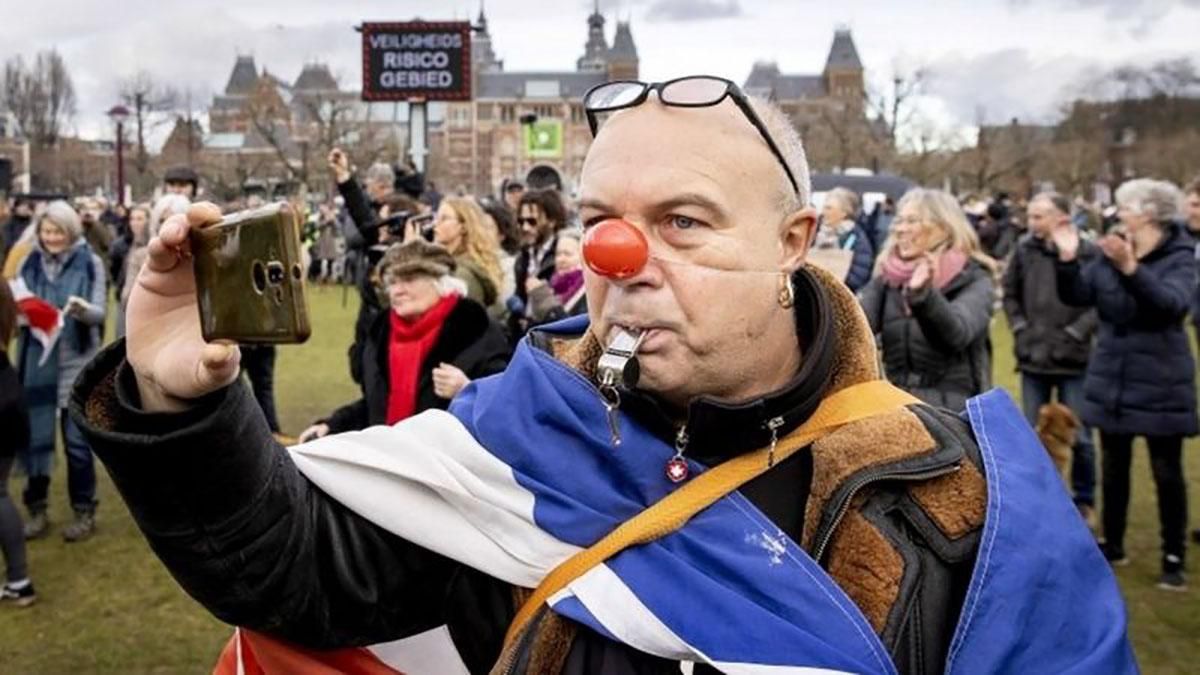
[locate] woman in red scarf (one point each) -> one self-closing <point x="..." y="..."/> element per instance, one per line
<point x="426" y="349"/>
<point x="931" y="302"/>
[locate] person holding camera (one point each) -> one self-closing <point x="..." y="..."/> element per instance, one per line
<point x="1141" y="378"/>
<point x="423" y="352"/>
<point x="62" y="270"/>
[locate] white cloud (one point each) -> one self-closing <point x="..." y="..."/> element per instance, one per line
<point x="1013" y="57"/>
<point x="1000" y="85"/>
<point x="693" y="10"/>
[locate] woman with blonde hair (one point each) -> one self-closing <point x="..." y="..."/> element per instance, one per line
<point x="932" y="301"/>
<point x="460" y="227"/>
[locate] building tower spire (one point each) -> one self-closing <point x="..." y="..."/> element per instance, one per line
<point x="595" y="51"/>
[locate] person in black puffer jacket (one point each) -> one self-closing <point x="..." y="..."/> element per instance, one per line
<point x="1141" y="379"/>
<point x="932" y="302"/>
<point x="14" y="420"/>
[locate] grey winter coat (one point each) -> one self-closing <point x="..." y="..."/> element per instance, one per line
<point x="935" y="342"/>
<point x="1050" y="337"/>
<point x="1141" y="377"/>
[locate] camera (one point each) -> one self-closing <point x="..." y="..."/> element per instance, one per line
<point x="397" y="223"/>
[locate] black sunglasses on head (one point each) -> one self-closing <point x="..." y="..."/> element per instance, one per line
<point x="693" y="91"/>
<point x="527" y="221"/>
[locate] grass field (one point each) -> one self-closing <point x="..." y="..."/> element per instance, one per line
<point x="108" y="606"/>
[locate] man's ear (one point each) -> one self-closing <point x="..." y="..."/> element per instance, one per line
<point x="796" y="236"/>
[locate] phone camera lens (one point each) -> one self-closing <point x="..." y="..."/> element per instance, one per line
<point x="275" y="273"/>
<point x="259" y="274"/>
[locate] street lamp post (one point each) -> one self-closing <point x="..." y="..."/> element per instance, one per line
<point x="527" y="121"/>
<point x="119" y="114"/>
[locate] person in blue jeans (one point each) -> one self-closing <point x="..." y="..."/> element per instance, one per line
<point x="1052" y="340"/>
<point x="63" y="270"/>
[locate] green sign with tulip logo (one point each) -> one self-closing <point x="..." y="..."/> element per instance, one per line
<point x="544" y="138"/>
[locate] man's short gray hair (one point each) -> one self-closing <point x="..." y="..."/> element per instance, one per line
<point x="65" y="218"/>
<point x="784" y="133"/>
<point x="381" y="173"/>
<point x="1159" y="200"/>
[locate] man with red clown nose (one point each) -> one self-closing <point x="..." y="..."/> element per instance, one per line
<point x="706" y="471"/>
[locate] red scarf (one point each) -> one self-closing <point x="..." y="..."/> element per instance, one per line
<point x="408" y="346"/>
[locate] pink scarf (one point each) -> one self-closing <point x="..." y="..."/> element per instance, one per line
<point x="897" y="271"/>
<point x="566" y="284"/>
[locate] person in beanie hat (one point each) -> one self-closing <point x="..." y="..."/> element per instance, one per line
<point x="422" y="353"/>
<point x="182" y="180"/>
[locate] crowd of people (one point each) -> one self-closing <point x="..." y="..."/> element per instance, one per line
<point x="448" y="285"/>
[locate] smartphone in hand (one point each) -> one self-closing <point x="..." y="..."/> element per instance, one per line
<point x="250" y="277"/>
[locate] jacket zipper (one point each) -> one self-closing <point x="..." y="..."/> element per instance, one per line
<point x="859" y="484"/>
<point x="510" y="659"/>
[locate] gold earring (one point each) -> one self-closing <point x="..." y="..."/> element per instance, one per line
<point x="787" y="294"/>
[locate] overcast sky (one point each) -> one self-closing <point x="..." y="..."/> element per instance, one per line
<point x="1005" y="57"/>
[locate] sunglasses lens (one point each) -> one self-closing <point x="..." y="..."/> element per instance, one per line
<point x="613" y="95"/>
<point x="694" y="91"/>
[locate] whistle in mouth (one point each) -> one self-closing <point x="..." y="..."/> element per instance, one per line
<point x="614" y="248"/>
<point x="618" y="365"/>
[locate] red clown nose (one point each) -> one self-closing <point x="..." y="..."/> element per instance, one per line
<point x="616" y="249"/>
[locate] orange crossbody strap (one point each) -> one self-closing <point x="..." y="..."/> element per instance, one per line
<point x="668" y="514"/>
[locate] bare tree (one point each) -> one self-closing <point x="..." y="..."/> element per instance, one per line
<point x="894" y="104"/>
<point x="1000" y="152"/>
<point x="151" y="105"/>
<point x="270" y="117"/>
<point x="927" y="155"/>
<point x="1175" y="77"/>
<point x="41" y="96"/>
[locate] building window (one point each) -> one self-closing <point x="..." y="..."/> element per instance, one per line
<point x="506" y="113"/>
<point x="484" y="111"/>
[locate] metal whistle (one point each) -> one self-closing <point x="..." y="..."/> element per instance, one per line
<point x="618" y="369"/>
<point x="618" y="366"/>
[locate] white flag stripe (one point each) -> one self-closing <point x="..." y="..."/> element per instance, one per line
<point x="430" y="652"/>
<point x="427" y="480"/>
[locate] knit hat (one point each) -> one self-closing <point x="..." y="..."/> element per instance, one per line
<point x="416" y="258"/>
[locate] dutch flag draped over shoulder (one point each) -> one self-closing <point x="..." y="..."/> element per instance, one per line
<point x="45" y="321"/>
<point x="521" y="475"/>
